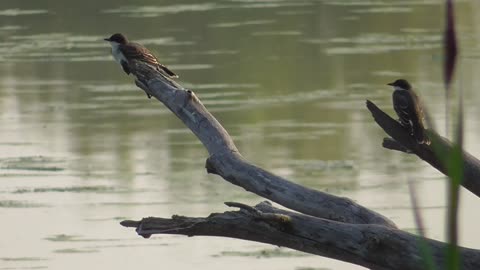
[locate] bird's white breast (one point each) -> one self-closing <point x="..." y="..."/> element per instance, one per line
<point x="117" y="54"/>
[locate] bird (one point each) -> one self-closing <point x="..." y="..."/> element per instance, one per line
<point x="124" y="51"/>
<point x="409" y="109"/>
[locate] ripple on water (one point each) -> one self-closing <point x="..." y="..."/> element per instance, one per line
<point x="379" y="43"/>
<point x="215" y="52"/>
<point x="217" y="95"/>
<point x="75" y="189"/>
<point x="295" y="12"/>
<point x="308" y="165"/>
<point x="191" y="66"/>
<point x="388" y="73"/>
<point x="154" y="11"/>
<point x="167" y="41"/>
<point x="289" y="130"/>
<point x="109" y="243"/>
<point x="78" y="238"/>
<point x="293" y="135"/>
<point x="11" y="28"/>
<point x="62" y="238"/>
<point x="105" y="219"/>
<point x="19" y="204"/>
<point x="277" y="33"/>
<point x="220" y="85"/>
<point x="240" y="23"/>
<point x="294" y="124"/>
<point x="383" y="10"/>
<point x="76" y="250"/>
<point x="295" y="97"/>
<point x="354" y="2"/>
<point x="304" y="96"/>
<point x="109" y="87"/>
<point x="20" y="12"/>
<point x="130" y="204"/>
<point x="381" y="3"/>
<point x="264" y="253"/>
<point x="22" y="263"/>
<point x="34" y="82"/>
<point x="32" y="163"/>
<point x="53" y="47"/>
<point x="59" y="40"/>
<point x="270" y="3"/>
<point x="22" y="259"/>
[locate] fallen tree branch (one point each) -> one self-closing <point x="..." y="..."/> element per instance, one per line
<point x="435" y="154"/>
<point x="225" y="159"/>
<point x="372" y="246"/>
<point x="329" y="226"/>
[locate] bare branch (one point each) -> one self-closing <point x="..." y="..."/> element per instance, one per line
<point x="391" y="144"/>
<point x="372" y="246"/>
<point x="328" y="225"/>
<point x="225" y="159"/>
<point x="434" y="154"/>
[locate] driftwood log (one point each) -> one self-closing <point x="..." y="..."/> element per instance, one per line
<point x="326" y="225"/>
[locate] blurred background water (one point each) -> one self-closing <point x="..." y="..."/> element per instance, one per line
<point x="81" y="148"/>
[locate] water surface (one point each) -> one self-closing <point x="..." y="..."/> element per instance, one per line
<point x="81" y="148"/>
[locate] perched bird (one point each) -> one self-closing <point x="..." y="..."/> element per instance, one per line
<point x="409" y="110"/>
<point x="124" y="51"/>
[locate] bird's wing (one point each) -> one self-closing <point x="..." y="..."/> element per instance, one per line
<point x="405" y="106"/>
<point x="409" y="110"/>
<point x="137" y="51"/>
<point x="417" y="119"/>
<point x="418" y="106"/>
<point x="140" y="53"/>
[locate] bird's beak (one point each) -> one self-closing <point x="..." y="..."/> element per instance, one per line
<point x="391" y="84"/>
<point x="106" y="39"/>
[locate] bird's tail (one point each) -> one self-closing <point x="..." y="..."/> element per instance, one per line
<point x="420" y="135"/>
<point x="170" y="73"/>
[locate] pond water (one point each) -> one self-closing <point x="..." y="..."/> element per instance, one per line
<point x="81" y="148"/>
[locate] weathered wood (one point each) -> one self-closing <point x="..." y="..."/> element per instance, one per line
<point x="368" y="245"/>
<point x="435" y="153"/>
<point x="225" y="159"/>
<point x="329" y="226"/>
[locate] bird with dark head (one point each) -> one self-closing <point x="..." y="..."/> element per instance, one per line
<point x="117" y="38"/>
<point x="125" y="51"/>
<point x="409" y="109"/>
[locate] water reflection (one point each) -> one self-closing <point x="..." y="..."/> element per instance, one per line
<point x="82" y="148"/>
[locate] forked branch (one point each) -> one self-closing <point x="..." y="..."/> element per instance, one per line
<point x="435" y="153"/>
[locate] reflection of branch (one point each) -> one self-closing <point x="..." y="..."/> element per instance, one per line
<point x="435" y="154"/>
<point x="225" y="159"/>
<point x="372" y="246"/>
